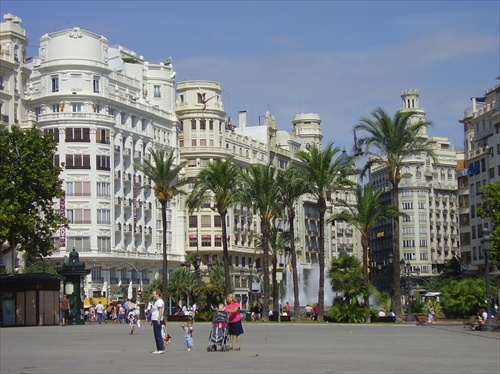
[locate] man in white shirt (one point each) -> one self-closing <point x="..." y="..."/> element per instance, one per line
<point x="157" y="321"/>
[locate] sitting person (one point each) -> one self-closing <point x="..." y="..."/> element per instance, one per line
<point x="391" y="314"/>
<point x="479" y="322"/>
<point x="381" y="313"/>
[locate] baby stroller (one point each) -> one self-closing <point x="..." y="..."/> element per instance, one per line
<point x="219" y="333"/>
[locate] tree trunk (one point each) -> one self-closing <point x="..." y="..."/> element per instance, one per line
<point x="274" y="263"/>
<point x="365" y="244"/>
<point x="396" y="276"/>
<point x="265" y="268"/>
<point x="225" y="256"/>
<point x="164" y="278"/>
<point x="321" y="260"/>
<point x="295" y="277"/>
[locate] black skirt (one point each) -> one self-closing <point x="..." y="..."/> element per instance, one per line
<point x="236" y="328"/>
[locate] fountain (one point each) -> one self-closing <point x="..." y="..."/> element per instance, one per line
<point x="308" y="288"/>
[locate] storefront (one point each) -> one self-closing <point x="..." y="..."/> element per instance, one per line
<point x="29" y="299"/>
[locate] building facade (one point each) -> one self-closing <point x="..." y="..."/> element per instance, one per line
<point x="481" y="125"/>
<point x="428" y="198"/>
<point x="106" y="107"/>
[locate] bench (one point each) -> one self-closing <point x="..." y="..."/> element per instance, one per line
<point x="283" y="318"/>
<point x="384" y="319"/>
<point x="418" y="321"/>
<point x="178" y="317"/>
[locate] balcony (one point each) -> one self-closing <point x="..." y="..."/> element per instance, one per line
<point x="118" y="174"/>
<point x="113" y="280"/>
<point x="98" y="280"/>
<point x="127" y="152"/>
<point x="117" y="149"/>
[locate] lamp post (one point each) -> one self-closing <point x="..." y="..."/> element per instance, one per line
<point x="405" y="271"/>
<point x="485" y="241"/>
<point x="198" y="272"/>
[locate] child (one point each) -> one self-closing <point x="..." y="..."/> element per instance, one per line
<point x="188" y="333"/>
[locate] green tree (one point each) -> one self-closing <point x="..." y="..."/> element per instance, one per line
<point x="260" y="192"/>
<point x="388" y="142"/>
<point x="368" y="211"/>
<point x="464" y="298"/>
<point x="164" y="171"/>
<point x="182" y="285"/>
<point x="346" y="276"/>
<point x="323" y="175"/>
<point x="219" y="182"/>
<point x="490" y="209"/>
<point x="291" y="187"/>
<point x="29" y="183"/>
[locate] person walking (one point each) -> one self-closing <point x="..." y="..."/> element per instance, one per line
<point x="133" y="316"/>
<point x="235" y="326"/>
<point x="157" y="320"/>
<point x="99" y="309"/>
<point x="65" y="307"/>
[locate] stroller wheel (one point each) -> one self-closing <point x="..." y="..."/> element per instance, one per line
<point x="209" y="349"/>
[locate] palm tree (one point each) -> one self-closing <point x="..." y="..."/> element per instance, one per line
<point x="388" y="142"/>
<point x="292" y="186"/>
<point x="219" y="182"/>
<point x="324" y="175"/>
<point x="164" y="172"/>
<point x="260" y="192"/>
<point x="368" y="211"/>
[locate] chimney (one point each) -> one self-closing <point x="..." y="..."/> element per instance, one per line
<point x="242" y="119"/>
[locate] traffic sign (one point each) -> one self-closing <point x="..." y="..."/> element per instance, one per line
<point x="139" y="292"/>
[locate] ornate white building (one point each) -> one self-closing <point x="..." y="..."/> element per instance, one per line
<point x="106" y="107"/>
<point x="428" y="199"/>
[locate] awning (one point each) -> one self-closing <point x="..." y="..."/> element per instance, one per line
<point x="470" y="169"/>
<point x="476" y="167"/>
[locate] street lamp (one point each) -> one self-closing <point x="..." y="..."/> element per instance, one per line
<point x="405" y="271"/>
<point x="198" y="272"/>
<point x="485" y="241"/>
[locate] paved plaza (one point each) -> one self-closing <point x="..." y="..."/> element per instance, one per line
<point x="266" y="348"/>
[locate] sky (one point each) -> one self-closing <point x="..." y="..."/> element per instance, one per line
<point x="339" y="59"/>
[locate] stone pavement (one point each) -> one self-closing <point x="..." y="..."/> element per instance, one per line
<point x="266" y="348"/>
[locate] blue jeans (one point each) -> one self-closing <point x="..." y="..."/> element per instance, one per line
<point x="158" y="338"/>
<point x="100" y="317"/>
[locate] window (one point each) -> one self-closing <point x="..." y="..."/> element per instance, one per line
<point x="78" y="135"/>
<point x="156" y="91"/>
<point x="407" y="206"/>
<point x="102" y="136"/>
<point x="217" y="221"/>
<point x="78" y="216"/>
<point x="103" y="189"/>
<point x="193" y="241"/>
<point x="206" y="221"/>
<point x="78" y="188"/>
<point x="206" y="241"/>
<point x="56" y="108"/>
<point x="54" y="133"/>
<point x="77" y="161"/>
<point x="424" y="256"/>
<point x="201" y="98"/>
<point x="76" y="107"/>
<point x="81" y="244"/>
<point x="123" y="118"/>
<point x="193" y="124"/>
<point x="193" y="221"/>
<point x="76" y="82"/>
<point x="421" y="205"/>
<point x="104" y="216"/>
<point x="103" y="162"/>
<point x="408" y="243"/>
<point x="203" y="124"/>
<point x="218" y="241"/>
<point x="96" y="84"/>
<point x="55" y="84"/>
<point x="423" y="242"/>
